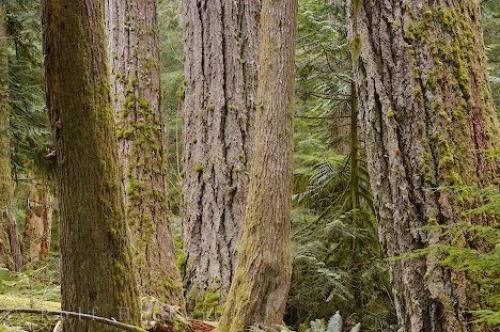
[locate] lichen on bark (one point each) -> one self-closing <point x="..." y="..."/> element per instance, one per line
<point x="260" y="287"/>
<point x="135" y="80"/>
<point x="428" y="121"/>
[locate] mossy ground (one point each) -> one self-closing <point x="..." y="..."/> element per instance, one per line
<point x="36" y="288"/>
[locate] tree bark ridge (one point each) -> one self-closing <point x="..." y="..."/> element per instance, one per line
<point x="220" y="72"/>
<point x="429" y="122"/>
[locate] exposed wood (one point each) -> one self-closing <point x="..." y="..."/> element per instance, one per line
<point x="38" y="224"/>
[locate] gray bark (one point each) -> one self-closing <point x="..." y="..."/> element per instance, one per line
<point x="220" y="73"/>
<point x="260" y="287"/>
<point x="133" y="46"/>
<point x="428" y="120"/>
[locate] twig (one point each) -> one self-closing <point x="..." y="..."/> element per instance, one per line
<point x="74" y="315"/>
<point x="58" y="326"/>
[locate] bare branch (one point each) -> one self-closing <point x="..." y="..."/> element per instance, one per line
<point x="74" y="315"/>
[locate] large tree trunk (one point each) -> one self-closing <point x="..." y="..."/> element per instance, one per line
<point x="260" y="287"/>
<point x="220" y="69"/>
<point x="97" y="269"/>
<point x="10" y="252"/>
<point x="135" y="81"/>
<point x="428" y="120"/>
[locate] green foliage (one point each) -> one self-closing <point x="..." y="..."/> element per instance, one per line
<point x="30" y="130"/>
<point x="337" y="261"/>
<point x="35" y="287"/>
<point x="480" y="258"/>
<point x="204" y="306"/>
<point x="172" y="87"/>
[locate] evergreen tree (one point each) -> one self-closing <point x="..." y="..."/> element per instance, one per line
<point x="220" y="74"/>
<point x="429" y="126"/>
<point x="260" y="287"/>
<point x="10" y="251"/>
<point x="97" y="270"/>
<point x="135" y="82"/>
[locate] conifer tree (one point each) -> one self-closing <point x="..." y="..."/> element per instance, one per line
<point x="260" y="287"/>
<point x="429" y="126"/>
<point x="135" y="93"/>
<point x="220" y="73"/>
<point x="97" y="269"/>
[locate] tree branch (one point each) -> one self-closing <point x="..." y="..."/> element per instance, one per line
<point x="74" y="315"/>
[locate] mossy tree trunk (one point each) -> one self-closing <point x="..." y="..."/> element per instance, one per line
<point x="135" y="82"/>
<point x="10" y="251"/>
<point x="220" y="70"/>
<point x="428" y="121"/>
<point x="97" y="269"/>
<point x="260" y="287"/>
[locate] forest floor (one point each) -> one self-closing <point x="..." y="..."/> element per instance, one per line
<point x="39" y="289"/>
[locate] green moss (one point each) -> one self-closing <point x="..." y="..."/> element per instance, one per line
<point x="129" y="103"/>
<point x="134" y="189"/>
<point x="125" y="133"/>
<point x="356" y="49"/>
<point x="447" y="17"/>
<point x="356" y="5"/>
<point x="206" y="305"/>
<point x="143" y="104"/>
<point x="198" y="167"/>
<point x="415" y="31"/>
<point x="390" y="113"/>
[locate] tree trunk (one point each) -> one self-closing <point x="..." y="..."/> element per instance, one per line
<point x="15" y="244"/>
<point x="428" y="120"/>
<point x="135" y="82"/>
<point x="10" y="250"/>
<point x="220" y="71"/>
<point x="97" y="269"/>
<point x="38" y="221"/>
<point x="260" y="287"/>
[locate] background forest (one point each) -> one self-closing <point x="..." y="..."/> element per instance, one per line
<point x="338" y="263"/>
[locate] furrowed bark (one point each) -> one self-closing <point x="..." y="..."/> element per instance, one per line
<point x="38" y="221"/>
<point x="97" y="269"/>
<point x="135" y="81"/>
<point x="220" y="71"/>
<point x="429" y="123"/>
<point x="260" y="287"/>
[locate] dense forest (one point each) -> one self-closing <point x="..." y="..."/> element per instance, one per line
<point x="249" y="165"/>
